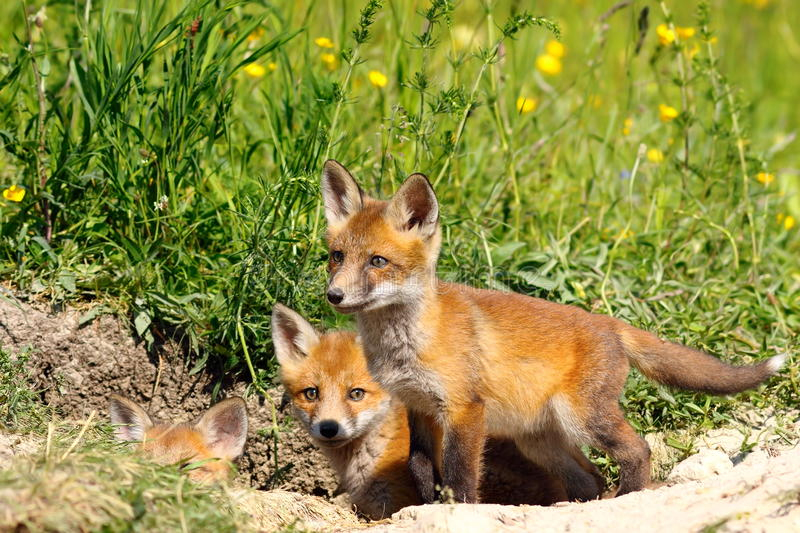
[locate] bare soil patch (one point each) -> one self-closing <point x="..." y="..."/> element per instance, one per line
<point x="78" y="366"/>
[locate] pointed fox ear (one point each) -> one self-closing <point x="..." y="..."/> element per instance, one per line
<point x="414" y="206"/>
<point x="292" y="336"/>
<point x="131" y="421"/>
<point x="224" y="428"/>
<point x="341" y="193"/>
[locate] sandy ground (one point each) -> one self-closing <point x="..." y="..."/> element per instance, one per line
<point x="760" y="494"/>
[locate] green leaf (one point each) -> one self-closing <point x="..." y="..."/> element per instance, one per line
<point x="91" y="314"/>
<point x="67" y="281"/>
<point x="141" y="323"/>
<point x="537" y="280"/>
<point x="45" y="246"/>
<point x="500" y="254"/>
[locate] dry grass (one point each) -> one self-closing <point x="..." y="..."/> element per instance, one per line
<point x="79" y="480"/>
<point x="76" y="478"/>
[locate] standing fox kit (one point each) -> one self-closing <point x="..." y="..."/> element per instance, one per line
<point x="207" y="447"/>
<point x="471" y="363"/>
<point x="364" y="432"/>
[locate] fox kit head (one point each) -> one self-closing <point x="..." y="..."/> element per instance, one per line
<point x="206" y="447"/>
<point x="326" y="376"/>
<point x="381" y="252"/>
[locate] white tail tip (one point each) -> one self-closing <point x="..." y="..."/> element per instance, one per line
<point x="776" y="362"/>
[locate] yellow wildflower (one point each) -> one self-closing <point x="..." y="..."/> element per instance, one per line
<point x="14" y="193"/>
<point x="548" y="64"/>
<point x="665" y="34"/>
<point x="788" y="222"/>
<point x="691" y="52"/>
<point x="527" y="104"/>
<point x="256" y="34"/>
<point x="272" y="66"/>
<point x="330" y="61"/>
<point x="765" y="178"/>
<point x="377" y="78"/>
<point x="323" y="42"/>
<point x="625" y="234"/>
<point x="684" y="33"/>
<point x="758" y="4"/>
<point x="595" y="100"/>
<point x="579" y="291"/>
<point x="555" y="49"/>
<point x="254" y="70"/>
<point x="627" y="124"/>
<point x="655" y="155"/>
<point x="667" y="113"/>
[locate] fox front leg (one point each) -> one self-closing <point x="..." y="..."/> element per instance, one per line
<point x="463" y="442"/>
<point x="420" y="457"/>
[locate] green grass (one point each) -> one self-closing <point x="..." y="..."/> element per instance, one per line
<point x="559" y="203"/>
<point x="20" y="410"/>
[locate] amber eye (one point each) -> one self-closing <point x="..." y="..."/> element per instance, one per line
<point x="337" y="256"/>
<point x="311" y="394"/>
<point x="378" y="261"/>
<point x="357" y="394"/>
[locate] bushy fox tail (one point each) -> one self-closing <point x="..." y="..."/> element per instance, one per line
<point x="680" y="366"/>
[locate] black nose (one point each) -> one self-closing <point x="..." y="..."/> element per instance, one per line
<point x="328" y="428"/>
<point x="335" y="296"/>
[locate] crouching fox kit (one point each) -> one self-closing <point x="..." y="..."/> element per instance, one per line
<point x="471" y="363"/>
<point x="364" y="432"/>
<point x="206" y="448"/>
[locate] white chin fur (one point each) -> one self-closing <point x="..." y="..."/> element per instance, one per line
<point x="391" y="293"/>
<point x="332" y="445"/>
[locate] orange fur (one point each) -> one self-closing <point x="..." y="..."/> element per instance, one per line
<point x="477" y="363"/>
<point x="205" y="449"/>
<point x="371" y="462"/>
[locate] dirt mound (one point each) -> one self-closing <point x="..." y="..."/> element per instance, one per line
<point x="78" y="366"/>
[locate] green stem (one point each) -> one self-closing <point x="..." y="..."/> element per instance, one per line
<point x="331" y="131"/>
<point x="684" y="94"/>
<point x="623" y="233"/>
<point x="511" y="167"/>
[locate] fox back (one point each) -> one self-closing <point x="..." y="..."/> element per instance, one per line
<point x="205" y="449"/>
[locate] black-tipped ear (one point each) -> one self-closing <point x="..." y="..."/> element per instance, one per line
<point x="292" y="335"/>
<point x="415" y="207"/>
<point x="131" y="421"/>
<point x="340" y="192"/>
<point x="224" y="428"/>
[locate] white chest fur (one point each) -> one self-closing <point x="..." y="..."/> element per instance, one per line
<point x="392" y="342"/>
